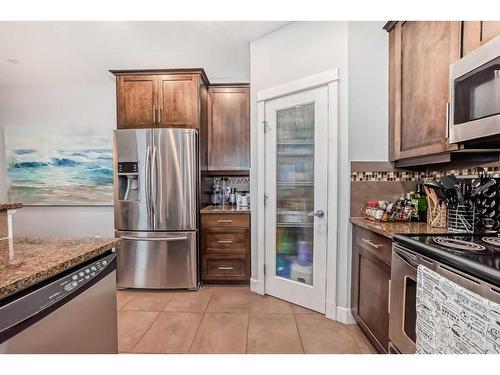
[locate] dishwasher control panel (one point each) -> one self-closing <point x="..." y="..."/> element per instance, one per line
<point x="77" y="279"/>
<point x="45" y="296"/>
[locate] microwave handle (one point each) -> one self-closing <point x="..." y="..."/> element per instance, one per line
<point x="447" y="120"/>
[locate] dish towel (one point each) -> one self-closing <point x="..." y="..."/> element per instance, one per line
<point x="452" y="319"/>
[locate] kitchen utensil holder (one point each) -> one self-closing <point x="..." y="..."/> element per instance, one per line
<point x="462" y="219"/>
<point x="436" y="215"/>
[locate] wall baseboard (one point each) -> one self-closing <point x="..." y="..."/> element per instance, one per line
<point x="331" y="310"/>
<point x="257" y="286"/>
<point x="344" y="315"/>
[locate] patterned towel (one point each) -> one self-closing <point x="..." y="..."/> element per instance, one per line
<point x="452" y="319"/>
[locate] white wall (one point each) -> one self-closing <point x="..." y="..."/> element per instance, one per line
<point x="298" y="50"/>
<point x="359" y="50"/>
<point x="368" y="91"/>
<point x="58" y="106"/>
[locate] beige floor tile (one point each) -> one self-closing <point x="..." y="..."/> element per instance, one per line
<point x="131" y="327"/>
<point x="322" y="335"/>
<point x="268" y="304"/>
<point x="122" y="298"/>
<point x="364" y="344"/>
<point x="302" y="310"/>
<point x="148" y="300"/>
<point x="223" y="333"/>
<point x="189" y="301"/>
<point x="172" y="332"/>
<point x="231" y="300"/>
<point x="273" y="333"/>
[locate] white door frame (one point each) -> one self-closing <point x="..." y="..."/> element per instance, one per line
<point x="328" y="78"/>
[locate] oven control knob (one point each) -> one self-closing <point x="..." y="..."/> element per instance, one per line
<point x="104" y="262"/>
<point x="81" y="274"/>
<point x="87" y="270"/>
<point x="75" y="277"/>
<point x="93" y="268"/>
<point x="74" y="283"/>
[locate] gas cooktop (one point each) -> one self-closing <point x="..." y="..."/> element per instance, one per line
<point x="478" y="254"/>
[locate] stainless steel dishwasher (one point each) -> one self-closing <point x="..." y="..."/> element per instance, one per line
<point x="73" y="312"/>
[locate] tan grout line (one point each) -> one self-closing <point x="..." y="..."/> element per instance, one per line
<point x="298" y="331"/>
<point x="201" y="321"/>
<point x="147" y="330"/>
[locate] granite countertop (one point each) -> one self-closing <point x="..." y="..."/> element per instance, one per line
<point x="388" y="229"/>
<point x="226" y="209"/>
<point x="27" y="261"/>
<point x="10" y="206"/>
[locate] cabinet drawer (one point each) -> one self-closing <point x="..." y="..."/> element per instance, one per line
<point x="226" y="268"/>
<point x="225" y="220"/>
<point x="232" y="241"/>
<point x="376" y="244"/>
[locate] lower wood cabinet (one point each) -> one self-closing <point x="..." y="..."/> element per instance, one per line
<point x="225" y="247"/>
<point x="371" y="274"/>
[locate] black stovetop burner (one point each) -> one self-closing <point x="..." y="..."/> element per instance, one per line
<point x="469" y="252"/>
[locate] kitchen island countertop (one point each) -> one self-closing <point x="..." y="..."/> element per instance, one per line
<point x="226" y="209"/>
<point x="27" y="261"/>
<point x="389" y="229"/>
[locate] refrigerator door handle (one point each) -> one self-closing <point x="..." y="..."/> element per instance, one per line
<point x="168" y="239"/>
<point x="154" y="187"/>
<point x="147" y="174"/>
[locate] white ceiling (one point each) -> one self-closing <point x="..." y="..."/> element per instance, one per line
<point x="34" y="53"/>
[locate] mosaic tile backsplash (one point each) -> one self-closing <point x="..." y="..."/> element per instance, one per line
<point x="414" y="175"/>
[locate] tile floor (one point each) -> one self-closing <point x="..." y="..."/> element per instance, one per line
<point x="227" y="319"/>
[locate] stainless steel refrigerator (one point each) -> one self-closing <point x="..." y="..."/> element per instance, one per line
<point x="156" y="207"/>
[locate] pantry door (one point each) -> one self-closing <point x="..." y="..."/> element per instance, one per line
<point x="296" y="197"/>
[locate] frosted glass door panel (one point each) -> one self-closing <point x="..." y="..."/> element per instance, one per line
<point x="295" y="193"/>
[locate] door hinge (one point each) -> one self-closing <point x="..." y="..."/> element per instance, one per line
<point x="267" y="127"/>
<point x="264" y="269"/>
<point x="265" y="199"/>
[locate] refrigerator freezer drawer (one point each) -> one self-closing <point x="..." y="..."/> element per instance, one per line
<point x="157" y="260"/>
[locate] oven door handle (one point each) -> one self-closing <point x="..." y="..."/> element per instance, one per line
<point x="407" y="259"/>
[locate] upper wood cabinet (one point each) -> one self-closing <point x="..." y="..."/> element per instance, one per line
<point x="167" y="98"/>
<point x="420" y="53"/>
<point x="229" y="128"/>
<point x="178" y="96"/>
<point x="136" y="101"/>
<point x="476" y="33"/>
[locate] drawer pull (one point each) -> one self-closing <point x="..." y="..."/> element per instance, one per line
<point x="225" y="241"/>
<point x="224" y="221"/>
<point x="224" y="268"/>
<point x="370" y="242"/>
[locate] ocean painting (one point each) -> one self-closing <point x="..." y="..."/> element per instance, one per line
<point x="59" y="166"/>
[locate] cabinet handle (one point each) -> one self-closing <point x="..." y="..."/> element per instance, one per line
<point x="225" y="241"/>
<point x="447" y="120"/>
<point x="389" y="302"/>
<point x="370" y="242"/>
<point x="159" y="116"/>
<point x="154" y="114"/>
<point x="224" y="221"/>
<point x="223" y="268"/>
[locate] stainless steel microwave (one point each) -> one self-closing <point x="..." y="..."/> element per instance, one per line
<point x="475" y="94"/>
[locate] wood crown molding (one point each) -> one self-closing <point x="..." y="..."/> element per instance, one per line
<point x="130" y="72"/>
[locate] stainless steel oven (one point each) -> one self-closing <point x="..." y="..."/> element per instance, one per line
<point x="403" y="298"/>
<point x="475" y="94"/>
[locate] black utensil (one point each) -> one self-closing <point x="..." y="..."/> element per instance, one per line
<point x="484" y="187"/>
<point x="450" y="182"/>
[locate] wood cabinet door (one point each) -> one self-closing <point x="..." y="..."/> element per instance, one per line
<point x="178" y="97"/>
<point x="370" y="296"/>
<point x="419" y="88"/>
<point x="476" y="33"/>
<point x="136" y="101"/>
<point x="229" y="128"/>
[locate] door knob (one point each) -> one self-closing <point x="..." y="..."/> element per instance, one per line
<point x="318" y="213"/>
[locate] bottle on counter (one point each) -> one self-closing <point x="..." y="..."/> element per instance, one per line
<point x="419" y="205"/>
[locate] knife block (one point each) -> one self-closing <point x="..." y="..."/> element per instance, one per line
<point x="436" y="214"/>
